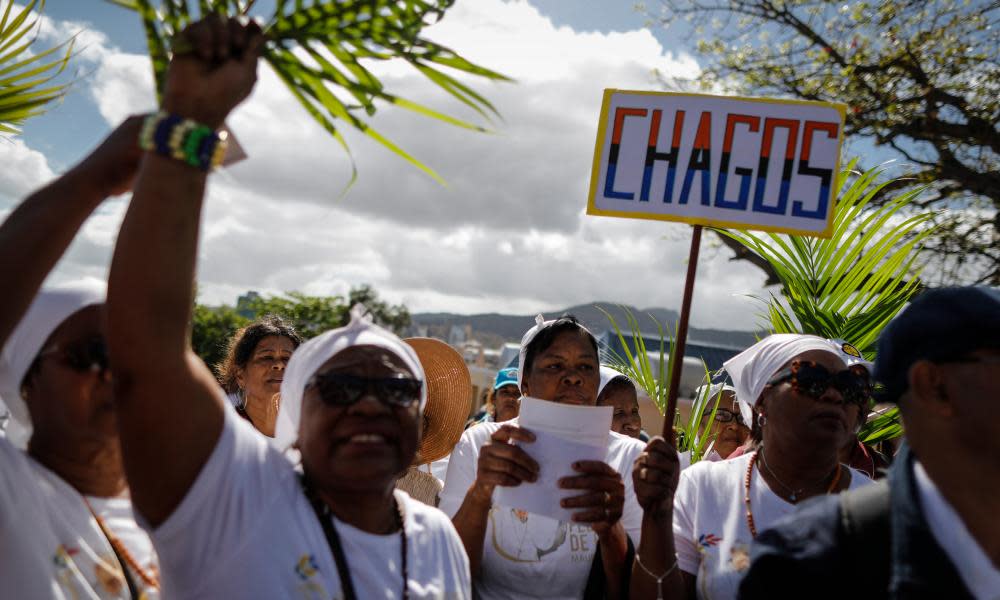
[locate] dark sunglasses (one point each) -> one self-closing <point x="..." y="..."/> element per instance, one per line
<point x="724" y="415"/>
<point x="811" y="379"/>
<point x="336" y="389"/>
<point x="89" y="355"/>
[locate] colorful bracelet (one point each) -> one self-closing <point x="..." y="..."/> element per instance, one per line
<point x="183" y="139"/>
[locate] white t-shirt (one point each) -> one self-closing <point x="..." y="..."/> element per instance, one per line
<point x="51" y="547"/>
<point x="246" y="530"/>
<point x="974" y="566"/>
<point x="711" y="534"/>
<point x="527" y="555"/>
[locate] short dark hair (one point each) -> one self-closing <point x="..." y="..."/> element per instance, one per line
<point x="546" y="336"/>
<point x="243" y="343"/>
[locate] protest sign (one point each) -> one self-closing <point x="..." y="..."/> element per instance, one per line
<point x="742" y="163"/>
<point x="739" y="163"/>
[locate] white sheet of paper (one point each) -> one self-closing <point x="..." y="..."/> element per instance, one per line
<point x="564" y="434"/>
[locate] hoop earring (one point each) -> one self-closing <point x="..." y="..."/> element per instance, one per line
<point x="761" y="420"/>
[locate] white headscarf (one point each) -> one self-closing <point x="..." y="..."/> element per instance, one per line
<point x="311" y="355"/>
<point x="540" y="324"/>
<point x="714" y="390"/>
<point x="607" y="374"/>
<point x="47" y="312"/>
<point x="754" y="367"/>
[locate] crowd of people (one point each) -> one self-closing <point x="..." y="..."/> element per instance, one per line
<point x="343" y="466"/>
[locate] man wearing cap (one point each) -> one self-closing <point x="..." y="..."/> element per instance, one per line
<point x="932" y="530"/>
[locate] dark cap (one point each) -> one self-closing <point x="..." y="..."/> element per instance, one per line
<point x="940" y="325"/>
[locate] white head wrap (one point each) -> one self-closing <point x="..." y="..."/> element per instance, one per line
<point x="852" y="356"/>
<point x="47" y="312"/>
<point x="311" y="355"/>
<point x="754" y="367"/>
<point x="607" y="374"/>
<point x="540" y="324"/>
<point x="714" y="389"/>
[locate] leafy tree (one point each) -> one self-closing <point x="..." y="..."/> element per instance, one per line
<point x="320" y="48"/>
<point x="26" y="76"/>
<point x="921" y="81"/>
<point x="212" y="328"/>
<point x="311" y="315"/>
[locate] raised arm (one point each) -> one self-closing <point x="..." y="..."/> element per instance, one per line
<point x="40" y="229"/>
<point x="655" y="476"/>
<point x="169" y="409"/>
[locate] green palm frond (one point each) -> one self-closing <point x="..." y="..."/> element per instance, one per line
<point x="637" y="366"/>
<point x="693" y="432"/>
<point x="851" y="285"/>
<point x="320" y="48"/>
<point x="26" y="87"/>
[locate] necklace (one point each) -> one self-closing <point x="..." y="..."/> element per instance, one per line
<point x="325" y="517"/>
<point x="124" y="556"/>
<point x="746" y="487"/>
<point x="794" y="494"/>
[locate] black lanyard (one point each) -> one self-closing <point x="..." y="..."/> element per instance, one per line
<point x="336" y="548"/>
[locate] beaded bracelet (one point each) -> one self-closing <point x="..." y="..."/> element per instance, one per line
<point x="183" y="139"/>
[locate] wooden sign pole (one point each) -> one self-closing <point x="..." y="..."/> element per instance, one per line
<point x="679" y="342"/>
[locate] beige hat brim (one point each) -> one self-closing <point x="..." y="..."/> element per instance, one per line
<point x="449" y="397"/>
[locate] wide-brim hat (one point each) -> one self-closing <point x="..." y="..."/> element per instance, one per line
<point x="449" y="397"/>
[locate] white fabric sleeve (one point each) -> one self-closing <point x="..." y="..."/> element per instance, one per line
<point x="631" y="512"/>
<point x="685" y="544"/>
<point x="240" y="481"/>
<point x="461" y="473"/>
<point x="460" y="560"/>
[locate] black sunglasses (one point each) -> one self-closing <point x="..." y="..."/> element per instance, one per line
<point x="811" y="379"/>
<point x="89" y="355"/>
<point x="336" y="389"/>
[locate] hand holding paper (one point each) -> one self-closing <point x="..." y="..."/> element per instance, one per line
<point x="566" y="435"/>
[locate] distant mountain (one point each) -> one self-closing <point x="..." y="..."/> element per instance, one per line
<point x="493" y="328"/>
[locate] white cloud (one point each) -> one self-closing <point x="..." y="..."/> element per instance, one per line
<point x="509" y="232"/>
<point x="23" y="169"/>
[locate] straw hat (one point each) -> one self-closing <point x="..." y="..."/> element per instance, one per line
<point x="449" y="397"/>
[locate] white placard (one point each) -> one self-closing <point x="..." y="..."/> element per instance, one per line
<point x="564" y="434"/>
<point x="741" y="163"/>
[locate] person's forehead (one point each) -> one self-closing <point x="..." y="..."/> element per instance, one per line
<point x="570" y="343"/>
<point x="510" y="388"/>
<point x="275" y="342"/>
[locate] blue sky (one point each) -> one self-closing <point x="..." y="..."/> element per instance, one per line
<point x="508" y="234"/>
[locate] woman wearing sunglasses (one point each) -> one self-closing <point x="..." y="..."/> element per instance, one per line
<point x="806" y="401"/>
<point x="231" y="514"/>
<point x="66" y="523"/>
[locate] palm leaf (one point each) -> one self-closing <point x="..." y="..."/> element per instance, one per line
<point x="317" y="48"/>
<point x="851" y="285"/>
<point x="26" y="77"/>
